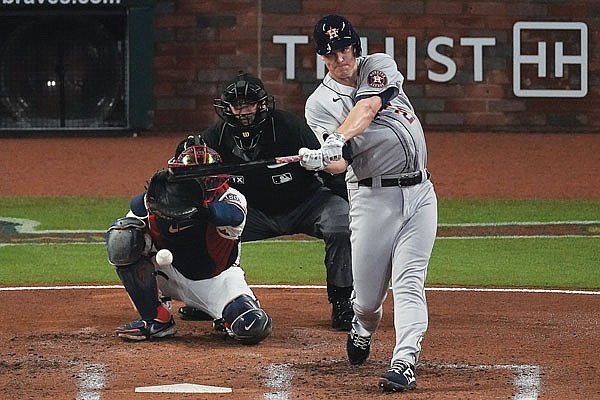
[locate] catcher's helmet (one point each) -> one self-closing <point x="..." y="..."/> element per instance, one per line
<point x="244" y="106"/>
<point x="194" y="151"/>
<point x="335" y="32"/>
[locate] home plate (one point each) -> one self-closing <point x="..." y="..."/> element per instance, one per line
<point x="182" y="388"/>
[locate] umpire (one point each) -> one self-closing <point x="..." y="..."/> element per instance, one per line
<point x="284" y="200"/>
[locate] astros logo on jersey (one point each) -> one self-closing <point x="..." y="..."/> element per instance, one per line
<point x="377" y="79"/>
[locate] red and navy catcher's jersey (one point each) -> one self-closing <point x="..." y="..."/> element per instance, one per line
<point x="203" y="247"/>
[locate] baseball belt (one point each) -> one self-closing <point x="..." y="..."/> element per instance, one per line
<point x="410" y="179"/>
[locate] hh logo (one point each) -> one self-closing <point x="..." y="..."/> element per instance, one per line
<point x="283" y="178"/>
<point x="550" y="59"/>
<point x="236" y="179"/>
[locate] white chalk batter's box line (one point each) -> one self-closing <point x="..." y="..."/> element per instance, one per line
<point x="527" y="379"/>
<point x="92" y="379"/>
<point x="28" y="226"/>
<point x="429" y="289"/>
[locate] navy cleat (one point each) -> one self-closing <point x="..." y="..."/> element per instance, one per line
<point x="400" y="377"/>
<point x="143" y="330"/>
<point x="357" y="347"/>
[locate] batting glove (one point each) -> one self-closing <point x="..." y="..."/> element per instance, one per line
<point x="312" y="160"/>
<point x="332" y="148"/>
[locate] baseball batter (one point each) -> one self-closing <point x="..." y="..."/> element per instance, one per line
<point x="374" y="135"/>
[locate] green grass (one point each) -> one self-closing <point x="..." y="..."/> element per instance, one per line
<point x="264" y="262"/>
<point x="489" y="211"/>
<point x="56" y="264"/>
<point x="570" y="262"/>
<point x="528" y="262"/>
<point x="69" y="213"/>
<point x="520" y="262"/>
<point x="98" y="213"/>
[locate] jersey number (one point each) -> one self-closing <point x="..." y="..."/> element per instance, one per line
<point x="399" y="110"/>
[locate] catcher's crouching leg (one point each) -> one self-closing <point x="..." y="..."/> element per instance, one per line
<point x="140" y="283"/>
<point x="125" y="244"/>
<point x="244" y="318"/>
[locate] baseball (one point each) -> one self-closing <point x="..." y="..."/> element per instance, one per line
<point x="164" y="257"/>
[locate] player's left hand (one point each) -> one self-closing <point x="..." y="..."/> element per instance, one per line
<point x="312" y="160"/>
<point x="332" y="148"/>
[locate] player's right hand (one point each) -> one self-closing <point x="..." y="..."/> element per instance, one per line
<point x="312" y="160"/>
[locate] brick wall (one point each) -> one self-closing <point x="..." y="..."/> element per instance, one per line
<point x="200" y="44"/>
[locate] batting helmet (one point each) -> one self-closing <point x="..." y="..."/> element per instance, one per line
<point x="335" y="32"/>
<point x="245" y="91"/>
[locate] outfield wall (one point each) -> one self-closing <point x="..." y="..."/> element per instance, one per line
<point x="469" y="65"/>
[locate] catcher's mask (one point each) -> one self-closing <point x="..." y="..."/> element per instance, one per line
<point x="335" y="32"/>
<point x="245" y="105"/>
<point x="188" y="154"/>
<point x="173" y="200"/>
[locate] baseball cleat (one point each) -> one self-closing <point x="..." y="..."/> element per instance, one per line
<point x="341" y="314"/>
<point x="357" y="347"/>
<point x="142" y="330"/>
<point x="400" y="377"/>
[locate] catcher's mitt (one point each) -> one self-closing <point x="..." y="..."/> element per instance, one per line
<point x="174" y="200"/>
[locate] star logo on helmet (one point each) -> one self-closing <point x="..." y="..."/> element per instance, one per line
<point x="332" y="32"/>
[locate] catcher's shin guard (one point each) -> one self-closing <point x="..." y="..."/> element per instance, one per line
<point x="249" y="323"/>
<point x="140" y="283"/>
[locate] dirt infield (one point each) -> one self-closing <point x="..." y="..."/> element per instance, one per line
<point x="58" y="344"/>
<point x="479" y="346"/>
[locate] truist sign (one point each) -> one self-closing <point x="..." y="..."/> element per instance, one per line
<point x="549" y="59"/>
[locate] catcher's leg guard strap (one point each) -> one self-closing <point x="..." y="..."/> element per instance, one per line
<point x="249" y="323"/>
<point x="140" y="284"/>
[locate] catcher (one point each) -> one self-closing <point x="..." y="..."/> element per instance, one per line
<point x="199" y="222"/>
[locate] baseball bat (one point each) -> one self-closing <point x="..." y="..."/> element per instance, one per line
<point x="197" y="171"/>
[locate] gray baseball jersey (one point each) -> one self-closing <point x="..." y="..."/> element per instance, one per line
<point x="386" y="148"/>
<point x="393" y="227"/>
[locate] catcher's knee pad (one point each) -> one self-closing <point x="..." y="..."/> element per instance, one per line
<point x="125" y="241"/>
<point x="249" y="323"/>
